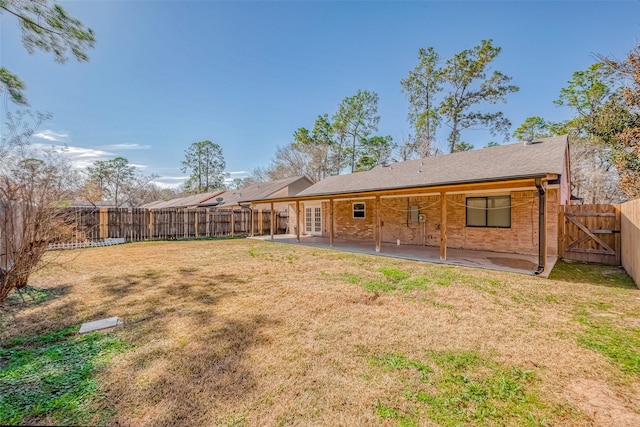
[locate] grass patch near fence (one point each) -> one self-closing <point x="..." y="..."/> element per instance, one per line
<point x="244" y="332"/>
<point x="607" y="333"/>
<point x="461" y="388"/>
<point x="52" y="375"/>
<point x="601" y="274"/>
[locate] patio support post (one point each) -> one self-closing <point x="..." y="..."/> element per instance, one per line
<point x="298" y="221"/>
<point x="330" y="222"/>
<point x="252" y="220"/>
<point x="377" y="233"/>
<point x="443" y="225"/>
<point x="272" y="217"/>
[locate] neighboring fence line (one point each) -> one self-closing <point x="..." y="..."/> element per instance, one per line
<point x="630" y="233"/>
<point x="87" y="224"/>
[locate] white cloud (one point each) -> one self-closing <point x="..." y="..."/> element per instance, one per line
<point x="174" y="178"/>
<point x="127" y="147"/>
<point x="236" y="175"/>
<point x="53" y="136"/>
<point x="79" y="157"/>
<point x="81" y="152"/>
<point x="162" y="181"/>
<point x="138" y="165"/>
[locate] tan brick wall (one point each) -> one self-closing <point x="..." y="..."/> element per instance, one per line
<point x="396" y="218"/>
<point x="522" y="237"/>
<point x="346" y="226"/>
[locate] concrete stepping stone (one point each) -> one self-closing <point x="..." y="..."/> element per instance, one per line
<point x="97" y="325"/>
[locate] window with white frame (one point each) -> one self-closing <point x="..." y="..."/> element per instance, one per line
<point x="494" y="211"/>
<point x="359" y="210"/>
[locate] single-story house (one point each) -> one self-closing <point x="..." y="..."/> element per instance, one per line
<point x="93" y="204"/>
<point x="503" y="198"/>
<point x="183" y="202"/>
<point x="241" y="198"/>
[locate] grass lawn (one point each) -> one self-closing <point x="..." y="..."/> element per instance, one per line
<point x="245" y="332"/>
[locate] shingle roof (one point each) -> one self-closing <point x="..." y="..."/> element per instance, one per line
<point x="183" y="202"/>
<point x="512" y="161"/>
<point x="260" y="190"/>
<point x="94" y="204"/>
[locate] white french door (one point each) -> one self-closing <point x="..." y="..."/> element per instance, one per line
<point x="313" y="220"/>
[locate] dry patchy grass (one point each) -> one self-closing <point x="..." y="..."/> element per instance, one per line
<point x="244" y="332"/>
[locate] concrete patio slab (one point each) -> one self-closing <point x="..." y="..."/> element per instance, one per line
<point x="517" y="263"/>
<point x="97" y="325"/>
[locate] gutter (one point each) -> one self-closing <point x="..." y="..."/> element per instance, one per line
<point x="541" y="224"/>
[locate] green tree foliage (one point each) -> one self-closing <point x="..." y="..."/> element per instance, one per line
<point x="618" y="123"/>
<point x="118" y="181"/>
<point x="452" y="93"/>
<point x="469" y="84"/>
<point x="235" y="184"/>
<point x="591" y="94"/>
<point x="357" y="118"/>
<point x="206" y="164"/>
<point x="533" y="127"/>
<point x="13" y="86"/>
<point x="112" y="177"/>
<point x="462" y="146"/>
<point x="375" y="150"/>
<point x="45" y="26"/>
<point x="323" y="154"/>
<point x="585" y="94"/>
<point x="422" y="87"/>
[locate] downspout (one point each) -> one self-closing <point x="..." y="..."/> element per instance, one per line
<point x="541" y="223"/>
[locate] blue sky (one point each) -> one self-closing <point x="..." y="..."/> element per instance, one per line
<point x="165" y="74"/>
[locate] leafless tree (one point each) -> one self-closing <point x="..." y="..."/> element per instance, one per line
<point x="32" y="185"/>
<point x="593" y="176"/>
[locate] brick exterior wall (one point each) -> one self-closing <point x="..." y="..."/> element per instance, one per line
<point x="521" y="237"/>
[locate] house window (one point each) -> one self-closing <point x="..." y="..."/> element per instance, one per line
<point x="489" y="211"/>
<point x="358" y="210"/>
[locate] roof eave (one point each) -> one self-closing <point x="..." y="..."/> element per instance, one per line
<point x="407" y="187"/>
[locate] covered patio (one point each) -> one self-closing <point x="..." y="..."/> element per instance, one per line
<point x="516" y="263"/>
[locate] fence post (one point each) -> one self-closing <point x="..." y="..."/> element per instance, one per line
<point x="104" y="223"/>
<point x="617" y="235"/>
<point x="272" y="218"/>
<point x="207" y="214"/>
<point x="561" y="231"/>
<point x="195" y="220"/>
<point x="233" y="222"/>
<point x="151" y="219"/>
<point x="252" y="221"/>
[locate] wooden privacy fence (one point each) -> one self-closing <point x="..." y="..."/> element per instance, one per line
<point x="630" y="237"/>
<point x="590" y="233"/>
<point x="167" y="224"/>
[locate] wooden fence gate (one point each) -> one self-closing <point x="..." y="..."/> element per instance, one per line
<point x="590" y="233"/>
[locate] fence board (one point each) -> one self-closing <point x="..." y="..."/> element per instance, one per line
<point x="630" y="238"/>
